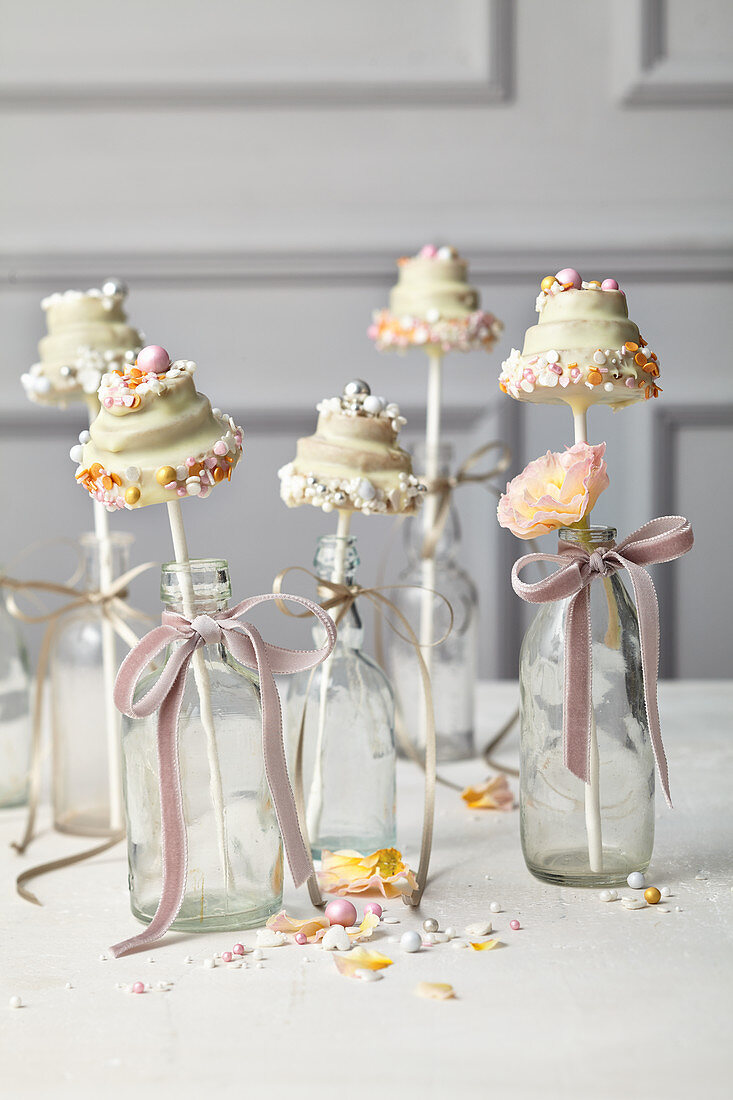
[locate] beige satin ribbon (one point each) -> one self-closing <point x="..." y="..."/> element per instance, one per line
<point x="114" y="608"/>
<point x="342" y="597"/>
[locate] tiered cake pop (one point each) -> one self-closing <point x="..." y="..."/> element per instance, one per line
<point x="156" y="439"/>
<point x="433" y="305"/>
<point x="353" y="461"/>
<point x="88" y="334"/>
<point x="583" y="351"/>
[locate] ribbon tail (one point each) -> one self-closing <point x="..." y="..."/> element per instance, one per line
<point x="173" y="825"/>
<point x="578" y="686"/>
<point x="276" y="770"/>
<point x="58" y="864"/>
<point x="647" y="609"/>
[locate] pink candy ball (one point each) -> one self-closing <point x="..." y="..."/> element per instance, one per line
<point x="373" y="907"/>
<point x="226" y="956"/>
<point x="341" y="912"/>
<point x="609" y="284"/>
<point x="154" y="358"/>
<point x="569" y="275"/>
<point x="238" y="949"/>
<point x="301" y="938"/>
<point x="138" y="987"/>
<point x="514" y="924"/>
<point x="428" y="251"/>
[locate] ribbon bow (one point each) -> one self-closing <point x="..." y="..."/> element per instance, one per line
<point x="112" y="606"/>
<point x="443" y="488"/>
<point x="658" y="541"/>
<point x="246" y="645"/>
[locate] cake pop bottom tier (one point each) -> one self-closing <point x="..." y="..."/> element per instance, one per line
<point x="155" y="440"/>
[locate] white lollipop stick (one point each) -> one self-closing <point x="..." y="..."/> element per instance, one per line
<point x="203" y="685"/>
<point x="315" y="795"/>
<point x="109" y="660"/>
<point x="430" y="512"/>
<point x="592" y="788"/>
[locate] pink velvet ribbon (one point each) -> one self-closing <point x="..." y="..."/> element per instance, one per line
<point x="246" y="645"/>
<point x="660" y="540"/>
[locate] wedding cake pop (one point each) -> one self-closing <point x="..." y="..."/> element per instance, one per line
<point x="353" y="461"/>
<point x="156" y="438"/>
<point x="584" y="350"/>
<point x="433" y="304"/>
<point x="88" y="334"/>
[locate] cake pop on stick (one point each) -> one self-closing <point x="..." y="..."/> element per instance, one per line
<point x="88" y="334"/>
<point x="157" y="440"/>
<point x="351" y="463"/>
<point x="434" y="308"/>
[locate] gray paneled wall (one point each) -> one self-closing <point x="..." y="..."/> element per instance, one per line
<point x="253" y="170"/>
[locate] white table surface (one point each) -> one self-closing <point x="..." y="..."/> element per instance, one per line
<point x="588" y="999"/>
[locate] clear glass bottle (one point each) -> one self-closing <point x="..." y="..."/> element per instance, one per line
<point x="235" y="860"/>
<point x="573" y="833"/>
<point x="83" y="802"/>
<point x="453" y="662"/>
<point x="15" y="713"/>
<point x="349" y="740"/>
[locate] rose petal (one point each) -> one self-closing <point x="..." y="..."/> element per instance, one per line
<point x="435" y="991"/>
<point x="494" y="794"/>
<point x="485" y="945"/>
<point x="349" y="872"/>
<point x="311" y="926"/>
<point x="360" y="959"/>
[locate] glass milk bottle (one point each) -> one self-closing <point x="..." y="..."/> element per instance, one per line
<point x="348" y="735"/>
<point x="453" y="661"/>
<point x="15" y="713"/>
<point x="573" y="833"/>
<point x="235" y="861"/>
<point x="80" y="717"/>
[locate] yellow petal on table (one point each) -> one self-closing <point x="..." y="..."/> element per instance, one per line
<point x="435" y="991"/>
<point x="494" y="794"/>
<point x="348" y="962"/>
<point x="365" y="929"/>
<point x="349" y="872"/>
<point x="485" y="945"/>
<point x="311" y="926"/>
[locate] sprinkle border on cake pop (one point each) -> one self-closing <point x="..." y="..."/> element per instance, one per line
<point x="478" y="331"/>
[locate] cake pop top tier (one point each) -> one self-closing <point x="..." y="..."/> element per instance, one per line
<point x="88" y="334"/>
<point x="353" y="461"/>
<point x="155" y="439"/>
<point x="433" y="304"/>
<point x="584" y="350"/>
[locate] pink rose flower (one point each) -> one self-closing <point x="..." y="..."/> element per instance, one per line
<point x="554" y="491"/>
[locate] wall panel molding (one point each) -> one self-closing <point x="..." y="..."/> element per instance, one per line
<point x="493" y="85"/>
<point x="669" y="422"/>
<point x="648" y="75"/>
<point x="666" y="263"/>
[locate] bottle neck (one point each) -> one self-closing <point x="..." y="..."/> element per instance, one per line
<point x="201" y="586"/>
<point x="103" y="559"/>
<point x="591" y="538"/>
<point x="337" y="560"/>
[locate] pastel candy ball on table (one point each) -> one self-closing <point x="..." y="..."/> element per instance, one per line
<point x="569" y="275"/>
<point x="341" y="912"/>
<point x="636" y="880"/>
<point x="300" y="938"/>
<point x="373" y="907"/>
<point x="411" y="942"/>
<point x="153" y="359"/>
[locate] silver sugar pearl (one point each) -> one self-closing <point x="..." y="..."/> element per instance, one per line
<point x="66" y="372"/>
<point x="430" y="924"/>
<point x="339" y="497"/>
<point x="356" y="386"/>
<point x="310" y="481"/>
<point x="114" y="287"/>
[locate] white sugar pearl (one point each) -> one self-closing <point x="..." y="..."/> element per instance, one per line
<point x="495" y="907"/>
<point x="132" y="473"/>
<point x="257" y="954"/>
<point x="552" y="356"/>
<point x="193" y="486"/>
<point x="75" y="454"/>
<point x="608" y="895"/>
<point x="15" y="1002"/>
<point x="68" y="986"/>
<point x="450" y="933"/>
<point x="432" y="316"/>
<point x="103" y="958"/>
<point x="188" y="959"/>
<point x="446" y="252"/>
<point x="636" y="880"/>
<point x="665" y="891"/>
<point x="84" y="436"/>
<point x="608" y="387"/>
<point x="373" y="404"/>
<point x="411" y="942"/>
<point x="209" y="964"/>
<point x="599" y="358"/>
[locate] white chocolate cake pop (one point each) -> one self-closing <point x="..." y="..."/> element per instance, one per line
<point x="433" y="304"/>
<point x="353" y="461"/>
<point x="584" y="349"/>
<point x="88" y="335"/>
<point x="156" y="439"/>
